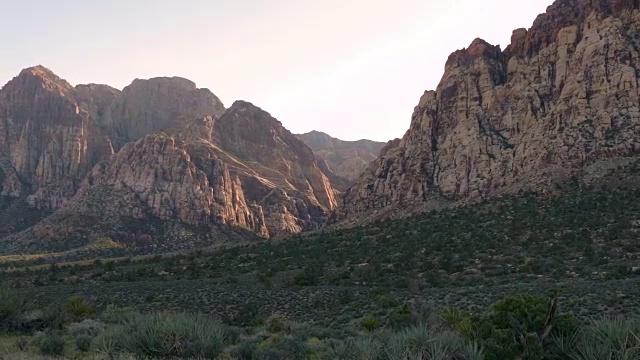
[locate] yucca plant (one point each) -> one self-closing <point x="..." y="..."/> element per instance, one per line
<point x="421" y="342"/>
<point x="165" y="335"/>
<point x="365" y="348"/>
<point x="609" y="339"/>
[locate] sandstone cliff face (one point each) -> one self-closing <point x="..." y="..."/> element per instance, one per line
<point x="347" y="159"/>
<point x="147" y="106"/>
<point x="96" y="98"/>
<point x="47" y="142"/>
<point x="181" y="160"/>
<point x="251" y="134"/>
<point x="562" y="95"/>
<point x="243" y="170"/>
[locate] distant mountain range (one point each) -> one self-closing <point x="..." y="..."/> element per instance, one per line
<point x="93" y="164"/>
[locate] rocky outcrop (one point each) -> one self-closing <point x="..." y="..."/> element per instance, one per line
<point x="147" y="106"/>
<point x="255" y="137"/>
<point x="347" y="159"/>
<point x="96" y="98"/>
<point x="563" y="94"/>
<point x="243" y="170"/>
<point x="47" y="141"/>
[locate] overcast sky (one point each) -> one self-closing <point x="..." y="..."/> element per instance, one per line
<point x="351" y="68"/>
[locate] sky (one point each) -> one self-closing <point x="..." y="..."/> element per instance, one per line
<point x="351" y="68"/>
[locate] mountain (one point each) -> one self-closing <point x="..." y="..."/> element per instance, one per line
<point x="48" y="143"/>
<point x="347" y="159"/>
<point x="161" y="163"/>
<point x="561" y="100"/>
<point x="147" y="106"/>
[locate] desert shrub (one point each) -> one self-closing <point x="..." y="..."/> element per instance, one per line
<point x="307" y="277"/>
<point x="369" y="323"/>
<point x="345" y="296"/>
<point x="307" y="331"/>
<point x="244" y="349"/>
<point x="401" y="317"/>
<point x="364" y="348"/>
<point x="79" y="308"/>
<point x="114" y="314"/>
<point x="424" y="342"/>
<point x="83" y="342"/>
<point x="51" y="344"/>
<point x="249" y="314"/>
<point x="110" y="341"/>
<point x="56" y="316"/>
<point x="276" y="324"/>
<point x="280" y="347"/>
<point x="512" y="327"/>
<point x="12" y="310"/>
<point x="86" y="327"/>
<point x="337" y="349"/>
<point x="165" y="335"/>
<point x="22" y="344"/>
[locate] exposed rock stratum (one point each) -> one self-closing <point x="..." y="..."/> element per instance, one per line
<point x="563" y="95"/>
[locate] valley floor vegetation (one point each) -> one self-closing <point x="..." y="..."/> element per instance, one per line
<point x="473" y="282"/>
<point x="515" y="327"/>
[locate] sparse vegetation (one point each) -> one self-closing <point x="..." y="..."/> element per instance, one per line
<point x="463" y="282"/>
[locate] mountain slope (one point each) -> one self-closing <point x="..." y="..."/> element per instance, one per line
<point x="180" y="181"/>
<point x="47" y="142"/>
<point x="187" y="173"/>
<point x="347" y="159"/>
<point x="563" y="95"/>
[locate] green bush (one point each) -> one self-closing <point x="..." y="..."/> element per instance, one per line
<point x="308" y="277"/>
<point x="370" y="323"/>
<point x="51" y="344"/>
<point x="364" y="348"/>
<point x="276" y="324"/>
<point x="83" y="342"/>
<point x="57" y="316"/>
<point x="280" y="347"/>
<point x="86" y="327"/>
<point x="165" y="335"/>
<point x="244" y="350"/>
<point x="79" y="308"/>
<point x="512" y="328"/>
<point x="12" y="309"/>
<point x="114" y="314"/>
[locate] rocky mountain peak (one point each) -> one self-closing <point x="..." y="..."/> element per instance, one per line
<point x="47" y="141"/>
<point x="38" y="79"/>
<point x="563" y="14"/>
<point x="253" y="133"/>
<point x="479" y="49"/>
<point x="147" y="106"/>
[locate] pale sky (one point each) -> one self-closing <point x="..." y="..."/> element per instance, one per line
<point x="351" y="68"/>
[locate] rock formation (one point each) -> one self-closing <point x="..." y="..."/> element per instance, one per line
<point x="147" y="106"/>
<point x="96" y="98"/>
<point x="47" y="142"/>
<point x="243" y="170"/>
<point x="562" y="95"/>
<point x="347" y="159"/>
<point x="179" y="158"/>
